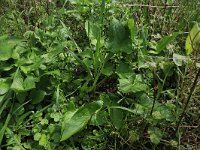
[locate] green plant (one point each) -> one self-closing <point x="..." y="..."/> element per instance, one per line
<point x="99" y="74"/>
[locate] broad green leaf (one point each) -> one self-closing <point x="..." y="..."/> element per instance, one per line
<point x="163" y="112"/>
<point x="31" y="63"/>
<point x="127" y="85"/>
<point x="119" y="37"/>
<point x="100" y="118"/>
<point x="6" y="47"/>
<point x="94" y="106"/>
<point x="76" y="120"/>
<point x="193" y="40"/>
<point x="108" y="69"/>
<point x="93" y="32"/>
<point x="21" y="96"/>
<point x="165" y="41"/>
<point x="123" y="70"/>
<point x="21" y="85"/>
<point x="116" y="116"/>
<point x="17" y="84"/>
<point x="155" y="134"/>
<point x="140" y="109"/>
<point x="4" y="86"/>
<point x="37" y="96"/>
<point x="29" y="83"/>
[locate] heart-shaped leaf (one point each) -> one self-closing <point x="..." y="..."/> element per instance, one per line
<point x="75" y="120"/>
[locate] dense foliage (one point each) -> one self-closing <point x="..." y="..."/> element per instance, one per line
<point x="99" y="74"/>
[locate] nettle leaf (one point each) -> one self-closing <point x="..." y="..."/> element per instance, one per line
<point x="37" y="96"/>
<point x="163" y="112"/>
<point x="76" y="120"/>
<point x="155" y="134"/>
<point x="193" y="39"/>
<point x="119" y="37"/>
<point x="6" y="47"/>
<point x="4" y="86"/>
<point x="127" y="85"/>
<point x="165" y="41"/>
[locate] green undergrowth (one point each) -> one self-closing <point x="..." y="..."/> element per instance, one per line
<point x="99" y="75"/>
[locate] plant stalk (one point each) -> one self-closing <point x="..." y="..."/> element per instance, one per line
<point x="188" y="99"/>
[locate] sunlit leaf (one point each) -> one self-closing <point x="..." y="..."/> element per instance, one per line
<point x="43" y="140"/>
<point x="29" y="83"/>
<point x="17" y="84"/>
<point x="4" y="86"/>
<point x="93" y="32"/>
<point x="6" y="47"/>
<point x="179" y="59"/>
<point x="193" y="39"/>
